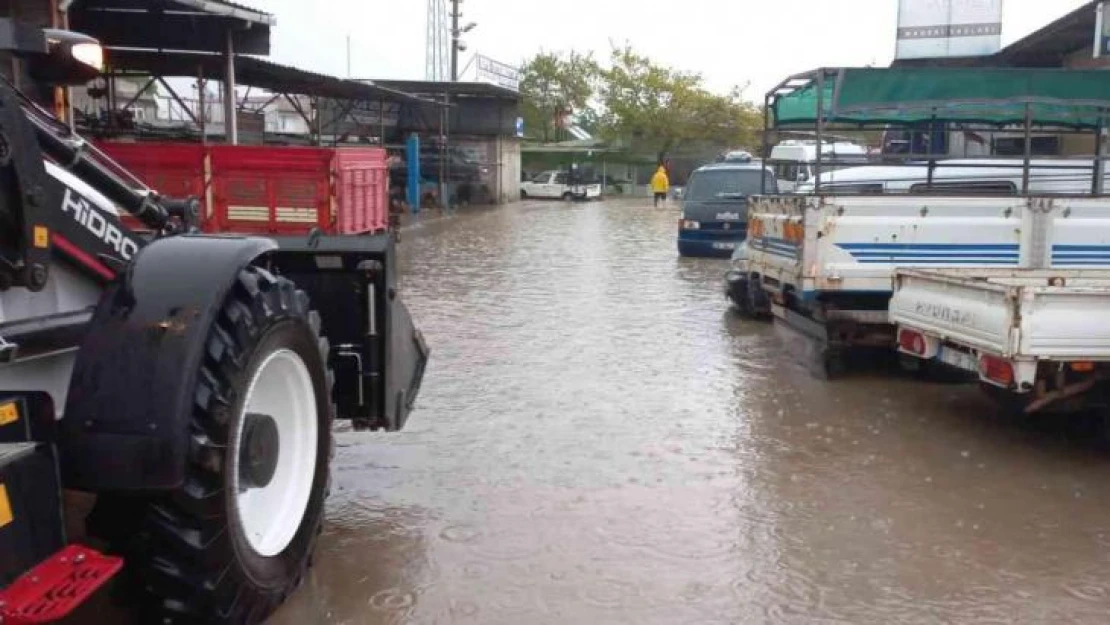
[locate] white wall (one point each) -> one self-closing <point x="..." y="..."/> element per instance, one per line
<point x="509" y="170"/>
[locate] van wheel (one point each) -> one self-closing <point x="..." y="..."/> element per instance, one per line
<point x="568" y="196"/>
<point x="236" y="538"/>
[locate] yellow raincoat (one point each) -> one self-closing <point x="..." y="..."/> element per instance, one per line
<point x="659" y="182"/>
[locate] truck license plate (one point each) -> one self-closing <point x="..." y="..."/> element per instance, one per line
<point x="724" y="246"/>
<point x="958" y="359"/>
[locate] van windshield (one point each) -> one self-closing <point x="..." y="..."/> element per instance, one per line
<point x="726" y="184"/>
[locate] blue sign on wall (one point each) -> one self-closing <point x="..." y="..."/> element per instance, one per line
<point x="520" y="126"/>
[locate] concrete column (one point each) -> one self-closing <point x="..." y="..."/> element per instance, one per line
<point x="231" y="127"/>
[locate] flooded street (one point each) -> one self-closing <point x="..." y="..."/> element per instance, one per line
<point x="598" y="440"/>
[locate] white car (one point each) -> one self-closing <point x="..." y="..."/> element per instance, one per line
<point x="554" y="184"/>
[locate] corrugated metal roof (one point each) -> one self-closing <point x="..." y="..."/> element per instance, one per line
<point x="254" y="72"/>
<point x="230" y="9"/>
<point x="197" y="25"/>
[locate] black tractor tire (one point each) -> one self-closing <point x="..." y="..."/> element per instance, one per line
<point x="187" y="557"/>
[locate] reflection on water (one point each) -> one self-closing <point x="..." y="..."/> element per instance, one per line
<point x="599" y="441"/>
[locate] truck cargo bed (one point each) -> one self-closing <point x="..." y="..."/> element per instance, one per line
<point x="1015" y="313"/>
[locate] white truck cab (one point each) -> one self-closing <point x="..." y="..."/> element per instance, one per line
<point x="795" y="162"/>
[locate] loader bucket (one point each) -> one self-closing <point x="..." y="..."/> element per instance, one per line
<point x="407" y="359"/>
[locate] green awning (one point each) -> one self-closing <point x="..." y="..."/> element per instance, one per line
<point x="907" y="96"/>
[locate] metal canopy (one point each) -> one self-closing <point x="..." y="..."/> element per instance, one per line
<point x="252" y="72"/>
<point x="195" y="25"/>
<point x="1049" y="46"/>
<point x="452" y="89"/>
<point x="1076" y="99"/>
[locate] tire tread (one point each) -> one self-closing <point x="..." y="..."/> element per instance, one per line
<point x="180" y="553"/>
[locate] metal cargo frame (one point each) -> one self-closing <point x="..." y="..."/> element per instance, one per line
<point x="268" y="190"/>
<point x="1061" y="101"/>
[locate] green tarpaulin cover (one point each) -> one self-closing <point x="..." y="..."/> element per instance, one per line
<point x="902" y="96"/>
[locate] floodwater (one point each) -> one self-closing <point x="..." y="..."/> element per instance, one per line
<point x="598" y="440"/>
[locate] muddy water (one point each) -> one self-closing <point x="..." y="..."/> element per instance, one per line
<point x="599" y="441"/>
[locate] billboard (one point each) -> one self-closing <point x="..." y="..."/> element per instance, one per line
<point x="489" y="70"/>
<point x="945" y="28"/>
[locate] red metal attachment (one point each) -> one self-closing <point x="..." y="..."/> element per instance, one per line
<point x="56" y="586"/>
<point x="267" y="190"/>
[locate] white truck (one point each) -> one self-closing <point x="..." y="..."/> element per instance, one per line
<point x="1038" y="339"/>
<point x="795" y="161"/>
<point x="827" y="263"/>
<point x="555" y="184"/>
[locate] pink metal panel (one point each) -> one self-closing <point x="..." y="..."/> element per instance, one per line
<point x="362" y="190"/>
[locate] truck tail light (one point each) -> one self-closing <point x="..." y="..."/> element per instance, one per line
<point x="996" y="369"/>
<point x="912" y="342"/>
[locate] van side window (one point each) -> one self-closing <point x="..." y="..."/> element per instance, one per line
<point x="875" y="188"/>
<point x="985" y="187"/>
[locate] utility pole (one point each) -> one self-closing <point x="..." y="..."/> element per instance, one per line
<point x="456" y="43"/>
<point x="455" y="40"/>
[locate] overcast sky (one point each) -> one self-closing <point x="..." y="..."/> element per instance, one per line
<point x="728" y="41"/>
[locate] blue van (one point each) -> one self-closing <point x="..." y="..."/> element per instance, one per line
<point x="715" y="206"/>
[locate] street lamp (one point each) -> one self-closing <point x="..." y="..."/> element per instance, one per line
<point x="457" y="45"/>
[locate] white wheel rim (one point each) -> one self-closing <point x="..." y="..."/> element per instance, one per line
<point x="269" y="516"/>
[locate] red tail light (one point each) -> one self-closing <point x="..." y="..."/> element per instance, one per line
<point x="997" y="370"/>
<point x="912" y="342"/>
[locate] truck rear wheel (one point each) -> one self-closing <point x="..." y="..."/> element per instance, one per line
<point x="236" y="539"/>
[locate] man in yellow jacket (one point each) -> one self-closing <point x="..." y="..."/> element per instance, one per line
<point x="660" y="184"/>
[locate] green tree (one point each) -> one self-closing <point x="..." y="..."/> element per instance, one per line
<point x="555" y="85"/>
<point x="661" y="108"/>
